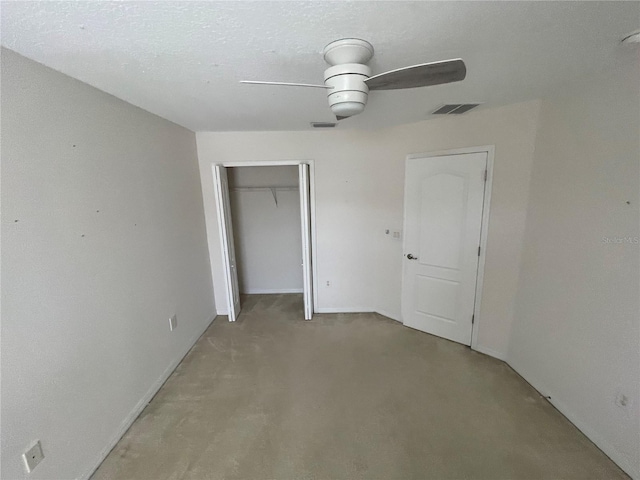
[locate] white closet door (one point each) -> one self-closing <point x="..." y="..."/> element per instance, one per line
<point x="226" y="236"/>
<point x="305" y="216"/>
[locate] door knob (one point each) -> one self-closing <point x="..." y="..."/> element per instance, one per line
<point x="411" y="257"/>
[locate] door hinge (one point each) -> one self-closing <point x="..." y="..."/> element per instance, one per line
<point x="473" y="318"/>
<point x="485" y="175"/>
<point x="478" y="251"/>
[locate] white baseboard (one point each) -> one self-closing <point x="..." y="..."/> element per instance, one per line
<point x="224" y="311"/>
<point x="600" y="442"/>
<point x="479" y="348"/>
<point x="632" y="470"/>
<point x="343" y="310"/>
<point x="384" y="313"/>
<point x="357" y="310"/>
<point x="269" y="291"/>
<point x="144" y="401"/>
<point x="490" y="352"/>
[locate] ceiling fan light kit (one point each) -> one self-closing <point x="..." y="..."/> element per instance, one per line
<point x="349" y="79"/>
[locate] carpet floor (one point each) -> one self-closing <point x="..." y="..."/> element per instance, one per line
<point x="345" y="396"/>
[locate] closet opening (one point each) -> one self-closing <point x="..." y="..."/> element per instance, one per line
<point x="264" y="217"/>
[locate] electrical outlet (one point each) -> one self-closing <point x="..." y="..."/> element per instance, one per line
<point x="173" y="323"/>
<point x="33" y="457"/>
<point x="328" y="283"/>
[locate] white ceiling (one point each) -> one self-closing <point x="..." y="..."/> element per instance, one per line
<point x="183" y="60"/>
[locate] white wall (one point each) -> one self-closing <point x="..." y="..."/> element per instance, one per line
<point x="359" y="188"/>
<point x="272" y="176"/>
<point x="267" y="236"/>
<point x="576" y="336"/>
<point x="103" y="239"/>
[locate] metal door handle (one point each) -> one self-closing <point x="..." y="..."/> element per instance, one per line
<point x="411" y="257"/>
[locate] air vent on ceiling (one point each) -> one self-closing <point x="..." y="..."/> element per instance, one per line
<point x="323" y="124"/>
<point x="455" y="109"/>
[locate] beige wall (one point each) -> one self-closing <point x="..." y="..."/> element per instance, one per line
<point x="103" y="239"/>
<point x="576" y="337"/>
<point x="359" y="189"/>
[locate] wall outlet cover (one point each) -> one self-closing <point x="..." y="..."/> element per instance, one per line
<point x="33" y="457"/>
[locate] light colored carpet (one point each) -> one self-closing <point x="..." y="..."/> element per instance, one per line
<point x="345" y="396"/>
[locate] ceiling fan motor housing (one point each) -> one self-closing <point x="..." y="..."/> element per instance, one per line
<point x="348" y="71"/>
<point x="349" y="94"/>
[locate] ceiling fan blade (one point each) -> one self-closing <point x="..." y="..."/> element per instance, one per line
<point x="285" y="84"/>
<point x="423" y="75"/>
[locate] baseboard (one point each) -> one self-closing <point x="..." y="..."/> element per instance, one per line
<point x="389" y="315"/>
<point x="223" y="311"/>
<point x="343" y="310"/>
<point x="490" y="352"/>
<point x="478" y="348"/>
<point x="144" y="401"/>
<point x="357" y="310"/>
<point x="607" y="448"/>
<point x="270" y="291"/>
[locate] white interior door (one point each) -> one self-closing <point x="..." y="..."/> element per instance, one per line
<point x="443" y="217"/>
<point x="226" y="234"/>
<point x="305" y="216"/>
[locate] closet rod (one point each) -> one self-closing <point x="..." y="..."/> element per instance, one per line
<point x="273" y="190"/>
<point x="264" y="189"/>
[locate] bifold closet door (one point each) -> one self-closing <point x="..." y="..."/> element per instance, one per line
<point x="226" y="236"/>
<point x="305" y="217"/>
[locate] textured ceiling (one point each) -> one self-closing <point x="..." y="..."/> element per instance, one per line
<point x="183" y="60"/>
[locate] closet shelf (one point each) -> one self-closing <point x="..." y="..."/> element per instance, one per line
<point x="273" y="190"/>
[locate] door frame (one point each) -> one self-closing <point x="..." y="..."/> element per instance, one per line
<point x="223" y="202"/>
<point x="484" y="229"/>
<point x="312" y="205"/>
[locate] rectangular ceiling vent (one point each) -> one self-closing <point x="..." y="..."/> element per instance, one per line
<point x="455" y="109"/>
<point x="323" y="124"/>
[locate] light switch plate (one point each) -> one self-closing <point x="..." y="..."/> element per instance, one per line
<point x="33" y="457"/>
<point x="173" y="323"/>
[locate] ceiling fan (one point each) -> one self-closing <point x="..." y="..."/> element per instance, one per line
<point x="349" y="80"/>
